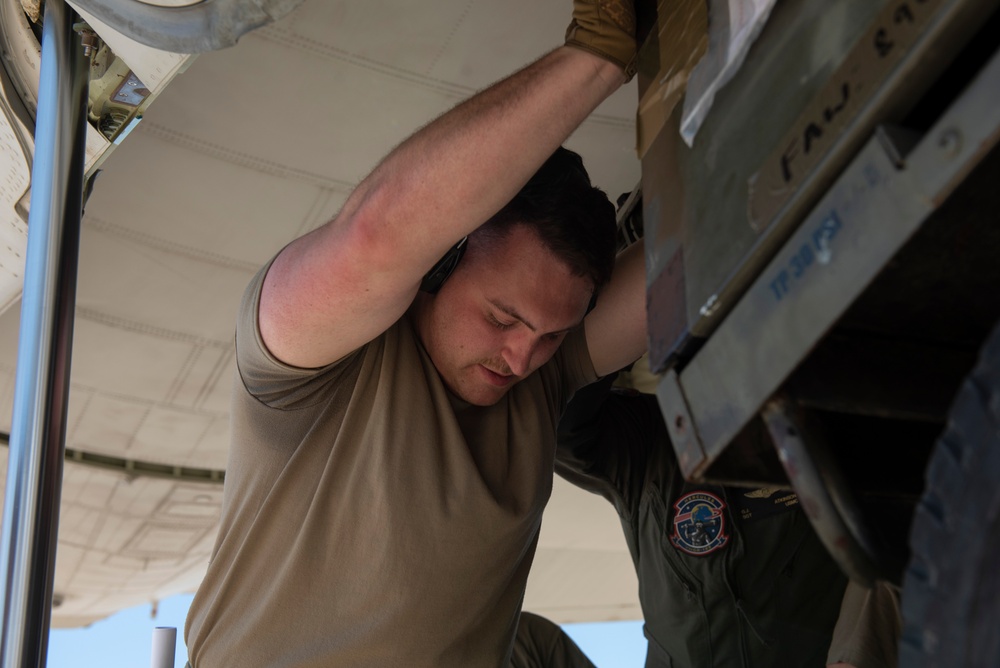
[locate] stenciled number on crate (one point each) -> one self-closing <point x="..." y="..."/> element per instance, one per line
<point x="815" y="250"/>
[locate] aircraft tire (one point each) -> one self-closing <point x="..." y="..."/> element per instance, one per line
<point x="951" y="590"/>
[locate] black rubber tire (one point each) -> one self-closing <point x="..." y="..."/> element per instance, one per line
<point x="951" y="591"/>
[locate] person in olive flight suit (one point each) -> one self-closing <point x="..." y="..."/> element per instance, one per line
<point x="541" y="643"/>
<point x="728" y="576"/>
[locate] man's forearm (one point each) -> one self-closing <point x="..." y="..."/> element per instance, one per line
<point x="456" y="172"/>
<point x="616" y="329"/>
<point x="337" y="288"/>
<point x="340" y="286"/>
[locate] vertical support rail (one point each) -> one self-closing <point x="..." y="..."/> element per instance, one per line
<point x="37" y="442"/>
<point x="826" y="497"/>
<point x="164" y="647"/>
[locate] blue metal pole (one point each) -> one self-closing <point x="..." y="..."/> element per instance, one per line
<point x="38" y="429"/>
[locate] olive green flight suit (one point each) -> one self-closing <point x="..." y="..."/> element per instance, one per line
<point x="728" y="576"/>
<point x="540" y="643"/>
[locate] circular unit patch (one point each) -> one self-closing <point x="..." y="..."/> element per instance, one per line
<point x="699" y="524"/>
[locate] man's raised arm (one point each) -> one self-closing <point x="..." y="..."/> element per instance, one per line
<point x="616" y="328"/>
<point x="338" y="287"/>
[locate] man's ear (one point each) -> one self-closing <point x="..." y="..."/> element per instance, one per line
<point x="440" y="272"/>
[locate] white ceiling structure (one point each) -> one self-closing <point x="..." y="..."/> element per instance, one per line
<point x="247" y="149"/>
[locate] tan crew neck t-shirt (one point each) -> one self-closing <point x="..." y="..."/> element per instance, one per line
<point x="372" y="518"/>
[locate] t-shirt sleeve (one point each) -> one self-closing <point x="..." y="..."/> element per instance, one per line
<point x="265" y="377"/>
<point x="868" y="629"/>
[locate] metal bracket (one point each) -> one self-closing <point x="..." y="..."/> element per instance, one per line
<point x="680" y="426"/>
<point x="825" y="495"/>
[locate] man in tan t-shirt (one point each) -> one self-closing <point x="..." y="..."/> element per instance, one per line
<point x="393" y="447"/>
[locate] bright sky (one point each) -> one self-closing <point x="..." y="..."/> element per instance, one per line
<point x="124" y="640"/>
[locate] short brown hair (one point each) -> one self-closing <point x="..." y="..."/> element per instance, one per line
<point x="575" y="220"/>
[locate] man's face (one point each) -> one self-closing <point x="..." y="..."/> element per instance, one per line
<point x="501" y="315"/>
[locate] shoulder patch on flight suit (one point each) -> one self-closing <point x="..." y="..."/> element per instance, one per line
<point x="699" y="523"/>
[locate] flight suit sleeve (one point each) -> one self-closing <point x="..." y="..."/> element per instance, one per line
<point x="868" y="629"/>
<point x="605" y="440"/>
